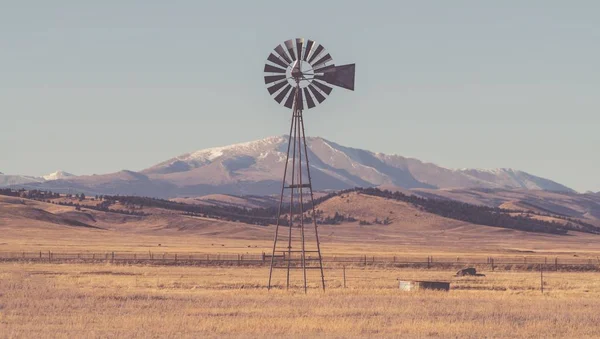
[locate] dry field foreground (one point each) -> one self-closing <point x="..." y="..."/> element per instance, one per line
<point x="75" y="301"/>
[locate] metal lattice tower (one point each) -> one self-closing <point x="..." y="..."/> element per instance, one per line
<point x="297" y="76"/>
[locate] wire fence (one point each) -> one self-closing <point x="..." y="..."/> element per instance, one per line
<point x="169" y="258"/>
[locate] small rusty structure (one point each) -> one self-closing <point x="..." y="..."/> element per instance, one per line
<point x="469" y="271"/>
<point x="415" y="285"/>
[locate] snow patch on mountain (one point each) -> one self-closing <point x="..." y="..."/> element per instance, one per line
<point x="57" y="175"/>
<point x="245" y="148"/>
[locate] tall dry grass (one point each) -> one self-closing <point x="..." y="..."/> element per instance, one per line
<point x="81" y="301"/>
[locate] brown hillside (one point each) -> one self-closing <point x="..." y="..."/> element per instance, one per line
<point x="37" y="226"/>
<point x="369" y="208"/>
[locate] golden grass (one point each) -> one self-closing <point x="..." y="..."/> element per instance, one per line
<point x="67" y="301"/>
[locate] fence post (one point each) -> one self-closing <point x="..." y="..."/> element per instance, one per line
<point x="49" y="256"/>
<point x="428" y="263"/>
<point x="238" y="260"/>
<point x="344" y="267"/>
<point x="263" y="257"/>
<point x="492" y="260"/>
<point x="556" y="264"/>
<point x="365" y="260"/>
<point x="40" y="254"/>
<point x="542" y="279"/>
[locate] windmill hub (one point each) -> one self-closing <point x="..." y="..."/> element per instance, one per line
<point x="297" y="70"/>
<point x="300" y="73"/>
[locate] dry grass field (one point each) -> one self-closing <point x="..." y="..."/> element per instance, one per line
<point x="77" y="300"/>
<point x="85" y="301"/>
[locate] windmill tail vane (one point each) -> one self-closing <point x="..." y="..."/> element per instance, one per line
<point x="300" y="74"/>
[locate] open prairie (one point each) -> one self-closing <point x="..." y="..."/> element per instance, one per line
<point x="50" y="299"/>
<point x="67" y="301"/>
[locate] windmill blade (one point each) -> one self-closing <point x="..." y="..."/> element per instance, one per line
<point x="320" y="98"/>
<point x="326" y="89"/>
<point x="290" y="100"/>
<point x="328" y="68"/>
<point x="272" y="78"/>
<point x="309" y="46"/>
<point x="343" y="76"/>
<point x="316" y="53"/>
<point x="289" y="44"/>
<point x="273" y="69"/>
<point x="276" y="87"/>
<point x="299" y="43"/>
<point x="323" y="60"/>
<point x="283" y="54"/>
<point x="309" y="100"/>
<point x="274" y="59"/>
<point x="281" y="95"/>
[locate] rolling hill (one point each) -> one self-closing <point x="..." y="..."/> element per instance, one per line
<point x="37" y="225"/>
<point x="583" y="206"/>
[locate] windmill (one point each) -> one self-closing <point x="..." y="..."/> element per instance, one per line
<point x="299" y="73"/>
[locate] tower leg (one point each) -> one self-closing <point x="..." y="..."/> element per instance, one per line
<point x="312" y="203"/>
<point x="280" y="205"/>
<point x="291" y="222"/>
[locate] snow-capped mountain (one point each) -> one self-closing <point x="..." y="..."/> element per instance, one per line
<point x="57" y="175"/>
<point x="256" y="168"/>
<point x="260" y="163"/>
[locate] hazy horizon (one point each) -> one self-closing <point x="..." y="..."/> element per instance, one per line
<point x="97" y="88"/>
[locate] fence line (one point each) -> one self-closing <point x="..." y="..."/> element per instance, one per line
<point x="265" y="259"/>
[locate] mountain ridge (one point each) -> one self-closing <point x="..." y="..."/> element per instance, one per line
<point x="256" y="167"/>
<point x="15" y="179"/>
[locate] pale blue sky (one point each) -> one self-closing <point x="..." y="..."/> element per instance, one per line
<point x="96" y="87"/>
